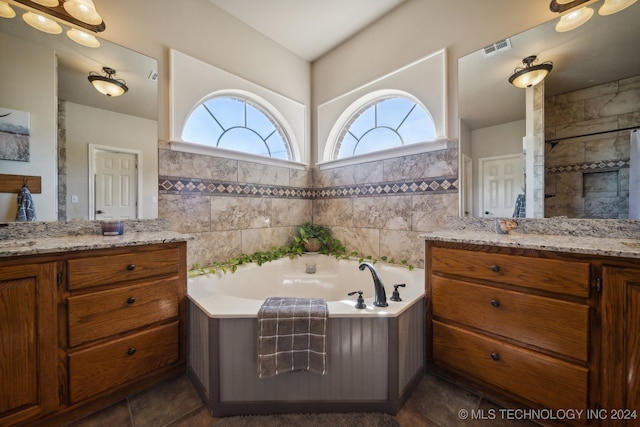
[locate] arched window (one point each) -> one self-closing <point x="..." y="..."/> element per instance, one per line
<point x="386" y="122"/>
<point x="237" y="123"/>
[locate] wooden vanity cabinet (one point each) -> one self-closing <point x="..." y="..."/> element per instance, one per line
<point x="82" y="330"/>
<point x="28" y="356"/>
<point x="620" y="391"/>
<point x="511" y="324"/>
<point x="124" y="317"/>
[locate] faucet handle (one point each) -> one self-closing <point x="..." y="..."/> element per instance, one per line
<point x="360" y="303"/>
<point x="396" y="293"/>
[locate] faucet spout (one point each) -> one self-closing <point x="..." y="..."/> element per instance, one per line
<point x="381" y="295"/>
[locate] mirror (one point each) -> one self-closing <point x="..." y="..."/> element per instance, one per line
<point x="597" y="56"/>
<point x="71" y="123"/>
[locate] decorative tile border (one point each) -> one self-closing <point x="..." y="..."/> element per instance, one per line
<point x="203" y="187"/>
<point x="601" y="164"/>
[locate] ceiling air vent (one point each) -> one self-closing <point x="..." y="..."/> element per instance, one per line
<point x="498" y="46"/>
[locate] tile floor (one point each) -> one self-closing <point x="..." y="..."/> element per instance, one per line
<point x="175" y="403"/>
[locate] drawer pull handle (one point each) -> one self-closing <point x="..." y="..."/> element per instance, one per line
<point x="131" y="300"/>
<point x="131" y="351"/>
<point x="495" y="303"/>
<point x="495" y="356"/>
<point x="495" y="268"/>
<point x="131" y="267"/>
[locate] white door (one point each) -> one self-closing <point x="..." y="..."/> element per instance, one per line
<point x="116" y="186"/>
<point x="502" y="180"/>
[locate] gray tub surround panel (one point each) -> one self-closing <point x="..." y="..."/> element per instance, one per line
<point x="373" y="365"/>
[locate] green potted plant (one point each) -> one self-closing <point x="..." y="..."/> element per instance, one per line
<point x="314" y="238"/>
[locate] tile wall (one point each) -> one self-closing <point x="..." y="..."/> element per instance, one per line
<point x="375" y="208"/>
<point x="588" y="177"/>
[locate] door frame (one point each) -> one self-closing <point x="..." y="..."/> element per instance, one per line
<point x="465" y="181"/>
<point x="93" y="148"/>
<point x="481" y="162"/>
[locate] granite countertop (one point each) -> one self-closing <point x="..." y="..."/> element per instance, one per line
<point x="615" y="247"/>
<point x="44" y="245"/>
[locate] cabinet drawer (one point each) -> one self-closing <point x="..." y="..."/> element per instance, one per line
<point x="106" y="366"/>
<point x="564" y="277"/>
<point x="549" y="382"/>
<point x="107" y="269"/>
<point x="551" y="324"/>
<point x="101" y="314"/>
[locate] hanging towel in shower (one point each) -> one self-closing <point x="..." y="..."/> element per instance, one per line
<point x="292" y="336"/>
<point x="26" y="209"/>
<point x="520" y="208"/>
<point x="634" y="176"/>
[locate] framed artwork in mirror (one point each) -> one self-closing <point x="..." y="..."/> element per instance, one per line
<point x="14" y="135"/>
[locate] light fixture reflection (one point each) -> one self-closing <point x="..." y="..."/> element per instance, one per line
<point x="530" y="75"/>
<point x="83" y="10"/>
<point x="107" y="84"/>
<point x="6" y="11"/>
<point x="42" y="23"/>
<point x="83" y="38"/>
<point x="614" y="6"/>
<point x="574" y="19"/>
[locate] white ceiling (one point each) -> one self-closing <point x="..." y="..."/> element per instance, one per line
<point x="308" y="28"/>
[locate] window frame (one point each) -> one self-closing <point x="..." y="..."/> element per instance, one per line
<point x="260" y="104"/>
<point x="360" y="105"/>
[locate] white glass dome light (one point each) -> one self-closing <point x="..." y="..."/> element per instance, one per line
<point x="574" y="19"/>
<point x="42" y="23"/>
<point x="614" y="6"/>
<point x="83" y="10"/>
<point x="6" y="11"/>
<point x="107" y="84"/>
<point x="83" y="38"/>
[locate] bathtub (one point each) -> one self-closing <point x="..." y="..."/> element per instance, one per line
<point x="375" y="355"/>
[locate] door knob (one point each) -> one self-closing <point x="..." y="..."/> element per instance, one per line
<point x="100" y="212"/>
<point x="487" y="213"/>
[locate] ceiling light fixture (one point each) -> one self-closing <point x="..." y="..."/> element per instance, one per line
<point x="6" y="11"/>
<point x="107" y="84"/>
<point x="572" y="19"/>
<point x="80" y="14"/>
<point x="530" y="75"/>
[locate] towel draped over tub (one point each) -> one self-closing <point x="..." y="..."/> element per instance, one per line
<point x="292" y="336"/>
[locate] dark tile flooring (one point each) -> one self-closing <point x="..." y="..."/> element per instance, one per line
<point x="175" y="403"/>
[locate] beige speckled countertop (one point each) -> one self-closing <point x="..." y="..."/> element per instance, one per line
<point x="618" y="247"/>
<point x="44" y="245"/>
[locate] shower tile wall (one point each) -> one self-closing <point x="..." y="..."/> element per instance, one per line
<point x="375" y="208"/>
<point x="588" y="177"/>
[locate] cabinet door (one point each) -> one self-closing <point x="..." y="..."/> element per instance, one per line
<point x="621" y="345"/>
<point x="28" y="341"/>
